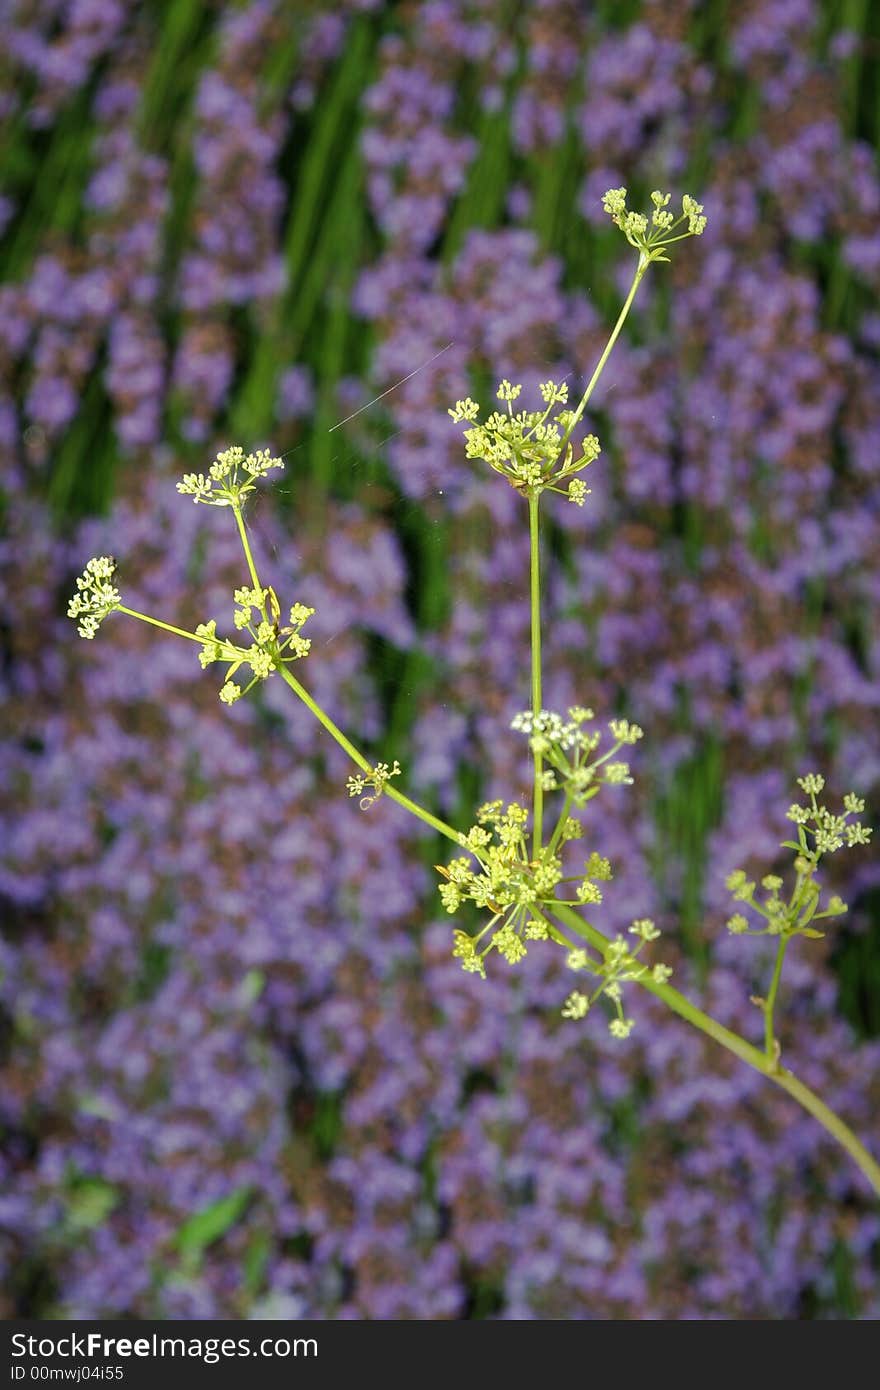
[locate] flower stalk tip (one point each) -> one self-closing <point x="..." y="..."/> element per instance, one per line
<point x="96" y="596"/>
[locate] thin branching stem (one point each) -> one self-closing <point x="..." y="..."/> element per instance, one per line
<point x="742" y="1049"/>
<point x="771" y="1046"/>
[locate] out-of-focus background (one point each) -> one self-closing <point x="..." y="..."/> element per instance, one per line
<point x="243" y="1074"/>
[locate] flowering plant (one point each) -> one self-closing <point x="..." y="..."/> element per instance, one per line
<point x="510" y="868"/>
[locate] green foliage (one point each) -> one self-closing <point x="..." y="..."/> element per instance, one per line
<point x="210" y="1223"/>
<point x="89" y="1202"/>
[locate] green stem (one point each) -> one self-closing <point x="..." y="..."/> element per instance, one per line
<point x="357" y="757"/>
<point x="535" y="590"/>
<point x="770" y="1044"/>
<point x="600" y="365"/>
<point x="335" y="732"/>
<point x="752" y="1056"/>
<point x="535" y="556"/>
<point x="563" y="817"/>
<point x="333" y="729"/>
<point x="156" y="622"/>
<point x="239" y="521"/>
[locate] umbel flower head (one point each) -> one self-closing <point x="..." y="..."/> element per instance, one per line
<point x="619" y="965"/>
<point x="516" y="890"/>
<point x="568" y="745"/>
<point x="652" y="237"/>
<point x="96" y="595"/>
<point x="820" y="831"/>
<point x="231" y="477"/>
<point x="506" y="882"/>
<point x="531" y="448"/>
<point x="258" y="613"/>
<point x="373" y="781"/>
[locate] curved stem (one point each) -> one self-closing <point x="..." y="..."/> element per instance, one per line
<point x="357" y="757"/>
<point x="600" y="365"/>
<point x="535" y="594"/>
<point x="156" y="622"/>
<point x="752" y="1056"/>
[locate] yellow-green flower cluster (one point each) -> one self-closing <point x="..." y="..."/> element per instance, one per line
<point x="620" y="964"/>
<point x="829" y="832"/>
<point x="568" y="745"/>
<point x="820" y="831"/>
<point x="503" y="879"/>
<point x="531" y="448"/>
<point x="652" y="237"/>
<point x="375" y="781"/>
<point x="257" y="612"/>
<point x="596" y="870"/>
<point x="96" y="595"/>
<point x="232" y="475"/>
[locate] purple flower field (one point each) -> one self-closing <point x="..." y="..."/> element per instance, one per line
<point x="243" y="1075"/>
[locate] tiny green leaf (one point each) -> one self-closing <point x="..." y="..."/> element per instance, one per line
<point x="212" y="1222"/>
